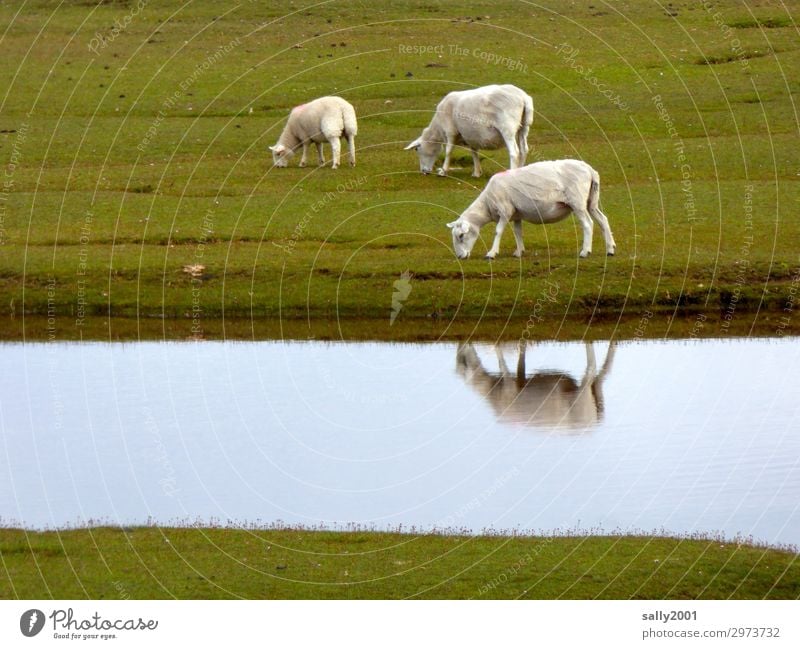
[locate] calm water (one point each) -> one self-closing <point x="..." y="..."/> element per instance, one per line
<point x="674" y="436"/>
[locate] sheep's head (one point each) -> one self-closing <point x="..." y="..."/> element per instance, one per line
<point x="427" y="151"/>
<point x="280" y="155"/>
<point x="465" y="234"/>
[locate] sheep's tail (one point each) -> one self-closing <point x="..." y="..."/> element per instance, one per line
<point x="524" y="127"/>
<point x="349" y="119"/>
<point x="593" y="202"/>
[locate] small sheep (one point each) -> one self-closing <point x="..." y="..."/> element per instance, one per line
<point x="318" y="121"/>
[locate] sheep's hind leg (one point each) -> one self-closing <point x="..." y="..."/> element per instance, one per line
<point x="513" y="150"/>
<point x="336" y="148"/>
<point x="518" y="238"/>
<point x="501" y="360"/>
<point x="522" y="146"/>
<point x="593" y="205"/>
<point x="476" y="164"/>
<point x="351" y="149"/>
<point x="602" y="221"/>
<point x="588" y="231"/>
<point x="521" y="372"/>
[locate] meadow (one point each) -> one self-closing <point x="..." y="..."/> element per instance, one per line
<point x="135" y="143"/>
<point x="139" y="201"/>
<point x="208" y="563"/>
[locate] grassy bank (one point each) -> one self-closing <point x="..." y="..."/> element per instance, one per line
<point x="655" y="326"/>
<point x="131" y="155"/>
<point x="112" y="563"/>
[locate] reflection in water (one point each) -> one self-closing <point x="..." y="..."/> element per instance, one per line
<point x="688" y="437"/>
<point x="547" y="399"/>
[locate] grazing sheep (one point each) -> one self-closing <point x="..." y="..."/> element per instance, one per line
<point x="483" y="118"/>
<point x="542" y="192"/>
<point x="318" y="121"/>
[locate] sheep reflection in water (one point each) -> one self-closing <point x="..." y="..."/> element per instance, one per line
<point x="548" y="399"/>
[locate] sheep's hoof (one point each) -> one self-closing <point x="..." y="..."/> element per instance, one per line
<point x="585" y="253"/>
<point x="302" y="164"/>
<point x="441" y="172"/>
<point x="519" y="253"/>
<point x="490" y="257"/>
<point x="611" y="253"/>
<point x="334" y="166"/>
<point x="476" y="174"/>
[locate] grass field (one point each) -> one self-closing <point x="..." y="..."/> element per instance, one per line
<point x="135" y="145"/>
<point x="141" y="563"/>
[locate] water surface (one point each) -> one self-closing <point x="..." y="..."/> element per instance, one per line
<point x="680" y="437"/>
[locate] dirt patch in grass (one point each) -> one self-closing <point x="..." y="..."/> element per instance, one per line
<point x="765" y="23"/>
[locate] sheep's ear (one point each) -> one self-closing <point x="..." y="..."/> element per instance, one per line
<point x="464" y="227"/>
<point x="452" y="225"/>
<point x="278" y="148"/>
<point x="413" y="145"/>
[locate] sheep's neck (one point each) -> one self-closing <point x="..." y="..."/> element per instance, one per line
<point x="436" y="130"/>
<point x="289" y="139"/>
<point x="477" y="213"/>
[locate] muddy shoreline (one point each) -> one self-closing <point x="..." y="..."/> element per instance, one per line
<point x="647" y="326"/>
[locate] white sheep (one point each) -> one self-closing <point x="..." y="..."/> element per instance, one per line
<point x="542" y="192"/>
<point x="324" y="119"/>
<point x="482" y="118"/>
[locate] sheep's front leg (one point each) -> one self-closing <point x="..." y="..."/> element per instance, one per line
<point x="476" y="164"/>
<point x="305" y="153"/>
<point x="518" y="238"/>
<point x="501" y="225"/>
<point x="448" y="149"/>
<point x="351" y="149"/>
<point x="320" y="156"/>
<point x="336" y="148"/>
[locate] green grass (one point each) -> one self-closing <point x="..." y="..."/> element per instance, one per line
<point x="74" y="143"/>
<point x="200" y="188"/>
<point x="141" y="563"/>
